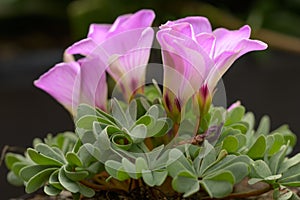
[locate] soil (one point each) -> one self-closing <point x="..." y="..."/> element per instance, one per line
<point x="140" y="194"/>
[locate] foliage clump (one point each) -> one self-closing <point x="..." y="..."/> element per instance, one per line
<point x="134" y="146"/>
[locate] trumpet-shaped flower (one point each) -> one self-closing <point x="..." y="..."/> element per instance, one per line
<point x="123" y="47"/>
<point x="200" y="57"/>
<point x="72" y="83"/>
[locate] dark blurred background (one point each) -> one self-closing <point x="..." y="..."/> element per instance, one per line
<point x="34" y="34"/>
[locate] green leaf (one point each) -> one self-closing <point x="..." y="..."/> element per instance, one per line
<point x="219" y="185"/>
<point x="87" y="121"/>
<point x="242" y="126"/>
<point x="186" y="183"/>
<point x="177" y="162"/>
<point x="230" y="144"/>
<point x="66" y="182"/>
<point x="51" y="191"/>
<point x="235" y="115"/>
<point x="18" y="166"/>
<point x="140" y="164"/>
<point x="264" y="126"/>
<point x="276" y="160"/>
<point x="53" y="180"/>
<point x="238" y="169"/>
<point x="253" y="181"/>
<point x="207" y="162"/>
<point x="86" y="136"/>
<point x="41" y="159"/>
<point x="145" y="120"/>
<point x="250" y="119"/>
<point x="160" y="176"/>
<point x="285" y="194"/>
<point x="11" y="158"/>
<point x="261" y="169"/>
<point x="131" y="112"/>
<point x="130" y="168"/>
<point x="38" y="180"/>
<point x="30" y="171"/>
<point x="257" y="150"/>
<point x="73" y="159"/>
<point x="118" y="113"/>
<point x="153" y="178"/>
<point x="153" y="111"/>
<point x="287" y="133"/>
<point x="151" y="92"/>
<point x="116" y="170"/>
<point x="121" y="141"/>
<point x="278" y="141"/>
<point x="289" y="163"/>
<point x="273" y="177"/>
<point x="291" y="176"/>
<point x="95" y="167"/>
<point x="138" y="133"/>
<point x="75" y="175"/>
<point x="86" y="191"/>
<point x="103" y="141"/>
<point x="50" y="152"/>
<point x="160" y="128"/>
<point x="205" y="158"/>
<point x="14" y="180"/>
<point x="227" y="161"/>
<point x="85" y="109"/>
<point x="242" y="141"/>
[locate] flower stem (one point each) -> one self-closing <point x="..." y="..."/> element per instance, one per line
<point x="198" y="123"/>
<point x="175" y="129"/>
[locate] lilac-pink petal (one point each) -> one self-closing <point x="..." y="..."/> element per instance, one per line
<point x="227" y="40"/>
<point x="181" y="28"/>
<point x="93" y="87"/>
<point x="128" y="69"/>
<point x="83" y="47"/>
<point x="185" y="65"/>
<point x="199" y="24"/>
<point x="222" y="64"/>
<point x="98" y="32"/>
<point x="59" y="82"/>
<point x="207" y="42"/>
<point x="248" y="45"/>
<point x="140" y="19"/>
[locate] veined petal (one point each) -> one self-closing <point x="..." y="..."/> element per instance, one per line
<point x="199" y="24"/>
<point x="129" y="69"/>
<point x="207" y="42"/>
<point x="227" y="58"/>
<point x="93" y="87"/>
<point x="60" y="83"/>
<point x="84" y="47"/>
<point x="119" y="44"/>
<point x="140" y="19"/>
<point x="222" y="64"/>
<point x="248" y="45"/>
<point x="180" y="28"/>
<point x="188" y="59"/>
<point x="227" y="40"/>
<point x="98" y="32"/>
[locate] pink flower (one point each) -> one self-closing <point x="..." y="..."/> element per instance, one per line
<point x="73" y="83"/>
<point x="123" y="47"/>
<point x="199" y="57"/>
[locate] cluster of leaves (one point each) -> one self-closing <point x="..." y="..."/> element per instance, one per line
<point x="59" y="163"/>
<point x="127" y="144"/>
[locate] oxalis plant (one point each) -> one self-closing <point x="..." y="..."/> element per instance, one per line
<point x="160" y="140"/>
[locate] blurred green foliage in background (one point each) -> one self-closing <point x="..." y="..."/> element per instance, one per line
<point x="275" y="21"/>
